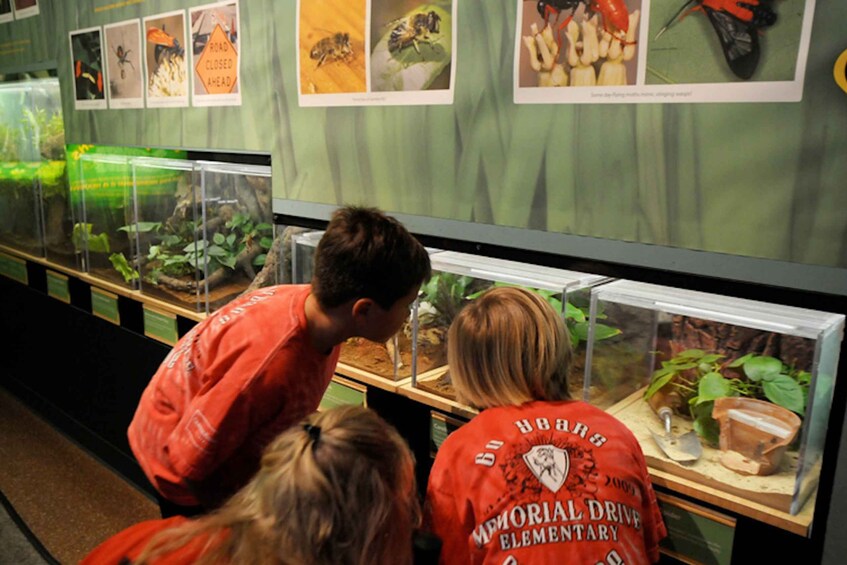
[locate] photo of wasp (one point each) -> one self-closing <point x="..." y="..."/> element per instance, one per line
<point x="336" y="47"/>
<point x="165" y="43"/>
<point x="614" y="13"/>
<point x="413" y="30"/>
<point x="737" y="25"/>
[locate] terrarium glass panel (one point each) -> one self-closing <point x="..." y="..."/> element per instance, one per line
<point x="459" y="278"/>
<point x="392" y="360"/>
<point x="170" y="254"/>
<point x="205" y="229"/>
<point x="31" y="157"/>
<point x="303" y="247"/>
<point x="61" y="209"/>
<point x="236" y="230"/>
<point x="733" y="394"/>
<point x="105" y="230"/>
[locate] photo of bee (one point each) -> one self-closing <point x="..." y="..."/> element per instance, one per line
<point x="411" y="45"/>
<point x="331" y="46"/>
<point x="167" y="75"/>
<point x="123" y="62"/>
<point x="336" y="47"/>
<point x="415" y="29"/>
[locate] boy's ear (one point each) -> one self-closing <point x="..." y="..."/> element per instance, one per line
<point x="362" y="307"/>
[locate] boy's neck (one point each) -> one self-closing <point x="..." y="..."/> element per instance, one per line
<point x="327" y="328"/>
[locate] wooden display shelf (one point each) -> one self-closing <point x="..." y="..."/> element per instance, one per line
<point x="766" y="499"/>
<point x="371" y="379"/>
<point x="435" y="401"/>
<point x="120" y="290"/>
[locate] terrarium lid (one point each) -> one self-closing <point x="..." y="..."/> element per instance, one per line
<point x="738" y="311"/>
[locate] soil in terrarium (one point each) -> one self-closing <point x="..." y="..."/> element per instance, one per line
<point x="377" y="358"/>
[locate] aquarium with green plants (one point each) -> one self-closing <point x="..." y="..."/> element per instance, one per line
<point x="33" y="181"/>
<point x="459" y="278"/>
<point x="204" y="230"/>
<point x="359" y="357"/>
<point x="103" y="236"/>
<point x="733" y="394"/>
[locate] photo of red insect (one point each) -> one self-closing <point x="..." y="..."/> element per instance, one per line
<point x="165" y="44"/>
<point x="613" y="12"/>
<point x="737" y="24"/>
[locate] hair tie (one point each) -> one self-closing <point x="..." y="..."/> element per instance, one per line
<point x="314" y="433"/>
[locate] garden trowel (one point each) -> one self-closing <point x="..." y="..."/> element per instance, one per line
<point x="683" y="449"/>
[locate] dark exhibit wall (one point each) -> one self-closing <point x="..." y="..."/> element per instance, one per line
<point x="752" y="179"/>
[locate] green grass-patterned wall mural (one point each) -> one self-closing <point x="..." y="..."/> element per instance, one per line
<point x="754" y="179"/>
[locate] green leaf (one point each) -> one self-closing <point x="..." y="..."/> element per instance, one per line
<point x="602" y="332"/>
<point x="660" y="379"/>
<point x="690" y="354"/>
<point x="711" y="358"/>
<point x="260" y="259"/>
<point x="217" y="252"/>
<point x="266" y="242"/>
<point x="264" y="227"/>
<point x="218" y="239"/>
<point x="757" y="368"/>
<point x="784" y="391"/>
<point x="713" y="386"/>
<point x="573" y="313"/>
<point x="740" y="361"/>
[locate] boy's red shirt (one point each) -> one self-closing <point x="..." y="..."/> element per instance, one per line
<point x="227" y="388"/>
<point x="543" y="483"/>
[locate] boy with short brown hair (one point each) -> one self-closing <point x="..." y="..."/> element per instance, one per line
<point x="264" y="361"/>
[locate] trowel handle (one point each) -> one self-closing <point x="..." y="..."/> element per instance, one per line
<point x="665" y="413"/>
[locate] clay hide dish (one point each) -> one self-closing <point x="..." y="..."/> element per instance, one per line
<point x="754" y="434"/>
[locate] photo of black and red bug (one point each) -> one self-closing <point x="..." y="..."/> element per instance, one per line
<point x="87" y="58"/>
<point x="578" y="42"/>
<point x="748" y="40"/>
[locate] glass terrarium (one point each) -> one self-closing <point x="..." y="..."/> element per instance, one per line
<point x="391" y="360"/>
<point x="733" y="394"/>
<point x="104" y="233"/>
<point x="459" y="278"/>
<point x="32" y="163"/>
<point x="204" y="230"/>
<point x="304" y="243"/>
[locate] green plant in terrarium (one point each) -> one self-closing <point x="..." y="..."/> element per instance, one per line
<point x="576" y="318"/>
<point x="82" y="234"/>
<point x="121" y="265"/>
<point x="443" y="296"/>
<point x="699" y="378"/>
<point x="179" y="254"/>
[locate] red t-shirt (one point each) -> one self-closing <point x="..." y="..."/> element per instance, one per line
<point x="544" y="482"/>
<point x="229" y="386"/>
<point x="129" y="543"/>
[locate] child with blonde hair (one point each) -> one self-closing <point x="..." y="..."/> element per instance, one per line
<point x="536" y="477"/>
<point x="339" y="488"/>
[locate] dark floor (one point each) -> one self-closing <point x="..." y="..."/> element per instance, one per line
<point x="67" y="498"/>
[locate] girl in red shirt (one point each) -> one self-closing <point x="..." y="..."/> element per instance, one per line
<point x="536" y="477"/>
<point x="337" y="489"/>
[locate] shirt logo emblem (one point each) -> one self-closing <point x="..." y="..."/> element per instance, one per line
<point x="549" y="464"/>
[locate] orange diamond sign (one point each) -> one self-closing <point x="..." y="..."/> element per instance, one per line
<point x="217" y="66"/>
